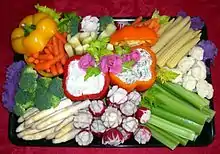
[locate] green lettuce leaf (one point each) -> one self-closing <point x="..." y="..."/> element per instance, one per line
<point x="51" y="12"/>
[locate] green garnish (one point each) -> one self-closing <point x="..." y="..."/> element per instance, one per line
<point x="127" y="65"/>
<point x="69" y="23"/>
<point x="97" y="48"/>
<point x="122" y="50"/>
<point x="165" y="75"/>
<point x="92" y="71"/>
<point x="104" y="21"/>
<point x="163" y="19"/>
<point x="51" y="12"/>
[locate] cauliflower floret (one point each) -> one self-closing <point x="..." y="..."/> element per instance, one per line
<point x="197" y="53"/>
<point x="185" y="64"/>
<point x="189" y="82"/>
<point x="204" y="89"/>
<point x="198" y="71"/>
<point x="90" y="24"/>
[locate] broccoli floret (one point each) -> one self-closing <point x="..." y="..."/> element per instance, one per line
<point x="56" y="87"/>
<point x="19" y="110"/>
<point x="104" y="21"/>
<point x="28" y="78"/>
<point x="24" y="100"/>
<point x="46" y="101"/>
<point x="44" y="82"/>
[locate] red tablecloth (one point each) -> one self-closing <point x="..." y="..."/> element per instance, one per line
<point x="12" y="11"/>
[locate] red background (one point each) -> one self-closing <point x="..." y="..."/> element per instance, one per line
<point x="12" y="11"/>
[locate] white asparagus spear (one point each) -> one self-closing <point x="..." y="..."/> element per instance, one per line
<point x="20" y="128"/>
<point x="44" y="113"/>
<point x="64" y="123"/>
<point x="51" y="136"/>
<point x="30" y="131"/>
<point x="34" y="125"/>
<point x="64" y="130"/>
<point x="28" y="113"/>
<point x="66" y="112"/>
<point x="68" y="136"/>
<point x="39" y="135"/>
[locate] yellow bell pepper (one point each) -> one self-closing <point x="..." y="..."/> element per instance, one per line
<point x="33" y="33"/>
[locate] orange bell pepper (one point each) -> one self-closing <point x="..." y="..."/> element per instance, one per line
<point x="133" y="36"/>
<point x="138" y="85"/>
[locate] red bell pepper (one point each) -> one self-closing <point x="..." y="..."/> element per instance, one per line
<point x="99" y="95"/>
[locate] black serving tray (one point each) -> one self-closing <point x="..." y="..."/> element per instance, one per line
<point x="206" y="137"/>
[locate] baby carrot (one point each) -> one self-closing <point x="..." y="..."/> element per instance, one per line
<point x="64" y="59"/>
<point x="41" y="61"/>
<point x="65" y="35"/>
<point x="47" y="51"/>
<point x="35" y="55"/>
<point x="55" y="46"/>
<point x="48" y="70"/>
<point x="36" y="61"/>
<point x="59" y="68"/>
<point x="47" y="64"/>
<point x="45" y="57"/>
<point x="138" y="20"/>
<point x="30" y="59"/>
<point x="60" y="37"/>
<point x="54" y="70"/>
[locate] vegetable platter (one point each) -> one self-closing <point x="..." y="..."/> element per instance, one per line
<point x="110" y="82"/>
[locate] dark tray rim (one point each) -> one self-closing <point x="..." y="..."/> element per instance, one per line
<point x="41" y="143"/>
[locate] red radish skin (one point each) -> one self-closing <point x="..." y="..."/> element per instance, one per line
<point x="126" y="135"/>
<point x="142" y="135"/>
<point x="98" y="104"/>
<point x="112" y="137"/>
<point x="143" y="114"/>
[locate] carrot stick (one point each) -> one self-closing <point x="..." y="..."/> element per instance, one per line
<point x="35" y="55"/>
<point x="65" y="35"/>
<point x="138" y="20"/>
<point x="47" y="51"/>
<point x="60" y="37"/>
<point x="59" y="68"/>
<point x="30" y="59"/>
<point x="61" y="47"/>
<point x="54" y="70"/>
<point x="45" y="57"/>
<point x="49" y="63"/>
<point x="55" y="48"/>
<point x="64" y="59"/>
<point x="48" y="70"/>
<point x="36" y="61"/>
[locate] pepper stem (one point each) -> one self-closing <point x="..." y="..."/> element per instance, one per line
<point x="28" y="29"/>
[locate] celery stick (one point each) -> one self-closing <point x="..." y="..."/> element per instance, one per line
<point x="172" y="127"/>
<point x="209" y="112"/>
<point x="163" y="137"/>
<point x="171" y="103"/>
<point x="197" y="128"/>
<point x="169" y="135"/>
<point x="187" y="95"/>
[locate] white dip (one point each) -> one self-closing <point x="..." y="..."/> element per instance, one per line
<point x="140" y="71"/>
<point x="76" y="85"/>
